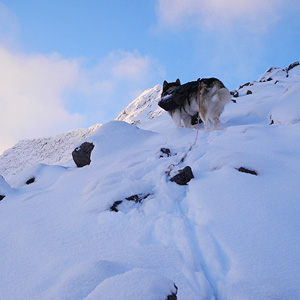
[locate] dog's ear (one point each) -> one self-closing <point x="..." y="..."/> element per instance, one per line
<point x="165" y="83"/>
<point x="178" y="81"/>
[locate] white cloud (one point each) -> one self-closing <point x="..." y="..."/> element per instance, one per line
<point x="32" y="95"/>
<point x="117" y="79"/>
<point x="129" y="66"/>
<point x="217" y="14"/>
<point x="44" y="95"/>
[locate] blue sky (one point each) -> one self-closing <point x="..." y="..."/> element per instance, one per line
<point x="70" y="64"/>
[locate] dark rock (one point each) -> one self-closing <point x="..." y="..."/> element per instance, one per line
<point x="166" y="152"/>
<point x="245" y="84"/>
<point x="248" y="171"/>
<point x="2" y="197"/>
<point x="249" y="92"/>
<point x="82" y="154"/>
<point x="30" y="181"/>
<point x="138" y="198"/>
<point x="293" y="65"/>
<point x="173" y="296"/>
<point x="184" y="176"/>
<point x="114" y="206"/>
<point x="233" y="100"/>
<point x="235" y="94"/>
<point x="271" y="120"/>
<point x="270" y="79"/>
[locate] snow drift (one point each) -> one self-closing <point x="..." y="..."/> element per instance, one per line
<point x="231" y="233"/>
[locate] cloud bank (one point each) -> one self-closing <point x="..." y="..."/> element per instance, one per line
<point x="44" y="95"/>
<point x="219" y="14"/>
<point x="32" y="95"/>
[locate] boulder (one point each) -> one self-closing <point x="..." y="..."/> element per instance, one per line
<point x="248" y="171"/>
<point x="184" y="176"/>
<point x="82" y="154"/>
<point x="292" y="66"/>
<point x="234" y="93"/>
<point x="30" y="181"/>
<point x="243" y="85"/>
<point x="165" y="152"/>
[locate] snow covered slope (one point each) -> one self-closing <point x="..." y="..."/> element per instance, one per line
<point x="48" y="150"/>
<point x="232" y="233"/>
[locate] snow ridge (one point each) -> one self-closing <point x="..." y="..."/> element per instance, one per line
<point x="47" y="150"/>
<point x="143" y="108"/>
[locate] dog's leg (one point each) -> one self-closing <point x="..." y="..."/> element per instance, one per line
<point x="187" y="122"/>
<point x="176" y="116"/>
<point x="203" y="116"/>
<point x="216" y="122"/>
<point x="220" y="99"/>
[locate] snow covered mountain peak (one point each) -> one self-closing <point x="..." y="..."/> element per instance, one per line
<point x="275" y="73"/>
<point x="143" y="108"/>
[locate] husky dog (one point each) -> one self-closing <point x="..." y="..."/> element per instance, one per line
<point x="207" y="101"/>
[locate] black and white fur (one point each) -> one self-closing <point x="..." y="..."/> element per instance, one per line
<point x="208" y="103"/>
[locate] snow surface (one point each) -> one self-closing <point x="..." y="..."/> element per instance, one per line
<point x="226" y="235"/>
<point x="48" y="150"/>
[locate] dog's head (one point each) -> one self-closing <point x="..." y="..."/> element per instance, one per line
<point x="169" y="86"/>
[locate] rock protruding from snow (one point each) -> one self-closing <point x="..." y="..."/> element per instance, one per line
<point x="165" y="152"/>
<point x="30" y="180"/>
<point x="275" y="72"/>
<point x="82" y="154"/>
<point x="138" y="198"/>
<point x="292" y="66"/>
<point x="247" y="171"/>
<point x="184" y="176"/>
